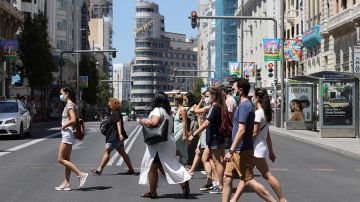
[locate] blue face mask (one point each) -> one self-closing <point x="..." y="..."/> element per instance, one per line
<point x="62" y="98"/>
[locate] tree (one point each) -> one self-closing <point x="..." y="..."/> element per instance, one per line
<point x="103" y="90"/>
<point x="88" y="68"/>
<point x="35" y="53"/>
<point x="197" y="88"/>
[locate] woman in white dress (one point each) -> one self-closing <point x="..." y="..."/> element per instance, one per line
<point x="261" y="137"/>
<point x="162" y="156"/>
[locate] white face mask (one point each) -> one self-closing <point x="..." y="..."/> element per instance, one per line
<point x="207" y="100"/>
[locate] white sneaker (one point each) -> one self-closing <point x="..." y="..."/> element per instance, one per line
<point x="203" y="172"/>
<point x="63" y="187"/>
<point x="82" y="179"/>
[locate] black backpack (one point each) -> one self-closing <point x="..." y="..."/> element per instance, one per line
<point x="106" y="125"/>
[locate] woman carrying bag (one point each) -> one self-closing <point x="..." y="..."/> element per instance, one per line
<point x="162" y="156"/>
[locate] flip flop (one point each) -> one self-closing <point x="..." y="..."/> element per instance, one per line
<point x="95" y="171"/>
<point x="149" y="195"/>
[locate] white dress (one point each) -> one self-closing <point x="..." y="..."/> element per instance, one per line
<point x="175" y="173"/>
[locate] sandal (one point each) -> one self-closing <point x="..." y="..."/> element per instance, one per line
<point x="149" y="195"/>
<point x="130" y="172"/>
<point x="186" y="189"/>
<point x="95" y="171"/>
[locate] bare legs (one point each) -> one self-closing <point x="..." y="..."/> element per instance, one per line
<point x="218" y="157"/>
<point x="64" y="159"/>
<point x="259" y="189"/>
<point x="106" y="156"/>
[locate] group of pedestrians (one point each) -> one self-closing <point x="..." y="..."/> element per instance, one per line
<point x="168" y="161"/>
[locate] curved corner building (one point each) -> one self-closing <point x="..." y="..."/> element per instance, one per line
<point x="149" y="73"/>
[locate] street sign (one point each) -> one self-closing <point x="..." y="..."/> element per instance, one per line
<point x="357" y="59"/>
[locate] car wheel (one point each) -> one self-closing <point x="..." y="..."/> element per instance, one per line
<point x="29" y="131"/>
<point x="21" y="132"/>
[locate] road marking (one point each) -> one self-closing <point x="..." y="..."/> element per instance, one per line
<point x="279" y="169"/>
<point x="76" y="146"/>
<point x="113" y="158"/>
<point x="4" y="153"/>
<point x="121" y="160"/>
<point x="323" y="169"/>
<point x="358" y="169"/>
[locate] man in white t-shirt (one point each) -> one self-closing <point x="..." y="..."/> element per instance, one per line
<point x="229" y="101"/>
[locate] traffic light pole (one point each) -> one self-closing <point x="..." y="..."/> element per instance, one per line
<point x="194" y="17"/>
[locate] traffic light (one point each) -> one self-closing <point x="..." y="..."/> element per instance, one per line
<point x="194" y="19"/>
<point x="258" y="74"/>
<point x="114" y="54"/>
<point x="174" y="73"/>
<point x="270" y="69"/>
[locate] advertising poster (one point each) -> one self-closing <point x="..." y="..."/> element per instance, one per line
<point x="271" y="49"/>
<point x="8" y="49"/>
<point x="292" y="50"/>
<point x="249" y="70"/>
<point x="337" y="106"/>
<point x="234" y="68"/>
<point x="300" y="103"/>
<point x="83" y="81"/>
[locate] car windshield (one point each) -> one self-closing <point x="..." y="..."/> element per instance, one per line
<point x="8" y="107"/>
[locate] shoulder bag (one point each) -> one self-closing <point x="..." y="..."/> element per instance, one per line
<point x="156" y="135"/>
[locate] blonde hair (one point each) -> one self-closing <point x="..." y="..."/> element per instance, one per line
<point x="115" y="102"/>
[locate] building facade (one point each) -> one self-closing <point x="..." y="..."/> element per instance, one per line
<point x="206" y="40"/>
<point x="31" y="7"/>
<point x="254" y="33"/>
<point x="121" y="74"/>
<point x="157" y="53"/>
<point x="225" y="38"/>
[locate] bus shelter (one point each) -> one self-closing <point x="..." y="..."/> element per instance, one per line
<point x="335" y="102"/>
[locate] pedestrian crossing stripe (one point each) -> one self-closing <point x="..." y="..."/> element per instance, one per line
<point x="323" y="169"/>
<point x="279" y="169"/>
<point x="358" y="169"/>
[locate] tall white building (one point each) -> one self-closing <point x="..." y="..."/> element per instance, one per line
<point x="206" y="49"/>
<point x="255" y="31"/>
<point x="121" y="74"/>
<point x="31" y="7"/>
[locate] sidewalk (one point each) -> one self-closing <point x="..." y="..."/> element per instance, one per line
<point x="347" y="146"/>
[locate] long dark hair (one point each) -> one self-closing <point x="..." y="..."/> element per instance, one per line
<point x="161" y="100"/>
<point x="216" y="94"/>
<point x="70" y="92"/>
<point x="264" y="100"/>
<point x="191" y="99"/>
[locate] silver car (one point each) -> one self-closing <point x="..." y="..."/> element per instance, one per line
<point x="15" y="119"/>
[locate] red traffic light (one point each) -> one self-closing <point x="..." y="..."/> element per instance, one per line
<point x="193" y="14"/>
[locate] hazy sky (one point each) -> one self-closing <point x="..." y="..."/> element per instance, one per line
<point x="176" y="14"/>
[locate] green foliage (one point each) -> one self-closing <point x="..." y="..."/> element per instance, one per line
<point x="103" y="90"/>
<point x="197" y="88"/>
<point x="87" y="67"/>
<point x="35" y="52"/>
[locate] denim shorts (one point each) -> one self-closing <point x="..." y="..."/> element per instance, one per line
<point x="114" y="144"/>
<point x="67" y="136"/>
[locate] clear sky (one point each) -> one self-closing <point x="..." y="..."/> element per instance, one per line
<point x="175" y="12"/>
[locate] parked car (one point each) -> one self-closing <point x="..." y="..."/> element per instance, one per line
<point x="15" y="119"/>
<point x="125" y="117"/>
<point x="338" y="99"/>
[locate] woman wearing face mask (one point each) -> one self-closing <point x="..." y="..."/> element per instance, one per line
<point x="115" y="139"/>
<point x="202" y="150"/>
<point x="214" y="140"/>
<point x="261" y="137"/>
<point x="68" y="121"/>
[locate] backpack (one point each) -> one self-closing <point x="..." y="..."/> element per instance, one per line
<point x="226" y="124"/>
<point x="79" y="129"/>
<point x="105" y="125"/>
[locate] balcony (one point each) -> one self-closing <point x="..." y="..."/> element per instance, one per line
<point x="342" y="19"/>
<point x="324" y="30"/>
<point x="291" y="16"/>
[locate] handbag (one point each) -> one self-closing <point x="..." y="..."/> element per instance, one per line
<point x="156" y="135"/>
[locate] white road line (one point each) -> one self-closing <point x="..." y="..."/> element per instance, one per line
<point x="76" y="146"/>
<point x="4" y="153"/>
<point x="121" y="160"/>
<point x="22" y="146"/>
<point x="113" y="158"/>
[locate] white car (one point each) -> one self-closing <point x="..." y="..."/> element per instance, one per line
<point x="15" y="119"/>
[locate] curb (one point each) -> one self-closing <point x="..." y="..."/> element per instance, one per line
<point x="324" y="146"/>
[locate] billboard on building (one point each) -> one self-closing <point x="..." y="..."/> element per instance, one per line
<point x="8" y="49"/>
<point x="234" y="68"/>
<point x="299" y="102"/>
<point x="271" y="49"/>
<point x="338" y="103"/>
<point x="292" y="50"/>
<point x="249" y="70"/>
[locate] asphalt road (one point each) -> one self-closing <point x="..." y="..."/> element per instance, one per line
<point x="29" y="171"/>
